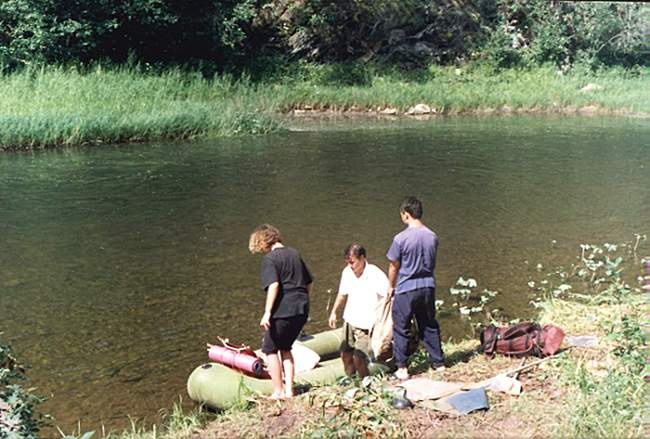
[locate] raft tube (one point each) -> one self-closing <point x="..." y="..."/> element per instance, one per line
<point x="220" y="387"/>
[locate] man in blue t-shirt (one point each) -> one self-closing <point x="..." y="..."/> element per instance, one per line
<point x="411" y="278"/>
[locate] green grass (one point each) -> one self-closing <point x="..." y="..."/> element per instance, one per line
<point x="469" y="89"/>
<point x="176" y="424"/>
<point x="605" y="385"/>
<point x="57" y="106"/>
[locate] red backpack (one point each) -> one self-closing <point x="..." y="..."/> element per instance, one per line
<point x="521" y="339"/>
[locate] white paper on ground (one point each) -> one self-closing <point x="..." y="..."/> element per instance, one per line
<point x="502" y="383"/>
<point x="582" y="341"/>
<point x="419" y="389"/>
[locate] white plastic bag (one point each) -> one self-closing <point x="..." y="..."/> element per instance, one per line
<point x="304" y="359"/>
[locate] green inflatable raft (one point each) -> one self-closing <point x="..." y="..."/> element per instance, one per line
<point x="220" y="387"/>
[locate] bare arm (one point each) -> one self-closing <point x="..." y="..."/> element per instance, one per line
<point x="393" y="270"/>
<point x="271" y="295"/>
<point x="338" y="304"/>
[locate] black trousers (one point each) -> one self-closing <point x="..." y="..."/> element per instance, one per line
<point x="421" y="304"/>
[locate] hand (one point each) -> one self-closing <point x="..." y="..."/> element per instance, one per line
<point x="332" y="321"/>
<point x="265" y="322"/>
<point x="390" y="292"/>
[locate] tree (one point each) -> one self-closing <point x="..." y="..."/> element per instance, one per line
<point x="59" y="31"/>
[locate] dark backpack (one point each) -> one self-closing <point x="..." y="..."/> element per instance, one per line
<point x="521" y="339"/>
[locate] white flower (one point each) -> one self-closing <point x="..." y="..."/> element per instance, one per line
<point x="469" y="282"/>
<point x="610" y="247"/>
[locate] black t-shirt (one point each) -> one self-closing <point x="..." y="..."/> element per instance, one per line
<point x="285" y="266"/>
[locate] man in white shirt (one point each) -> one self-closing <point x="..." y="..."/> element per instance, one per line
<point x="361" y="289"/>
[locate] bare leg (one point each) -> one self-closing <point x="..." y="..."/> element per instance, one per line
<point x="287" y="365"/>
<point x="275" y="370"/>
<point x="348" y="363"/>
<point x="360" y="365"/>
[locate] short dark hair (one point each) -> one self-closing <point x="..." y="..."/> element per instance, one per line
<point x="412" y="206"/>
<point x="355" y="250"/>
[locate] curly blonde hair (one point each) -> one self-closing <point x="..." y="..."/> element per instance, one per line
<point x="263" y="238"/>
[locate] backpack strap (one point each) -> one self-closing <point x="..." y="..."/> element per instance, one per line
<point x="522" y="352"/>
<point x="489" y="338"/>
<point x="519" y="329"/>
<point x="538" y="346"/>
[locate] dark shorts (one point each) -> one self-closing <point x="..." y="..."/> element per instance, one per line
<point x="282" y="333"/>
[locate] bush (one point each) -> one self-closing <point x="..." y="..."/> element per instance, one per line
<point x="38" y="31"/>
<point x="500" y="52"/>
<point x="536" y="32"/>
<point x="17" y="416"/>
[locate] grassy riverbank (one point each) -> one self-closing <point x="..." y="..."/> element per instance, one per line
<point x="582" y="392"/>
<point x="56" y="106"/>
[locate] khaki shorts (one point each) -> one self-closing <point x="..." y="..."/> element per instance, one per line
<point x="356" y="340"/>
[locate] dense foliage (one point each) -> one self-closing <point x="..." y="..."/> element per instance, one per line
<point x="82" y="30"/>
<point x="562" y="33"/>
<point x="406" y="32"/>
<point x="17" y="416"/>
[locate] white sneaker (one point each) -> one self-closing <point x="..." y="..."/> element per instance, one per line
<point x="401" y="374"/>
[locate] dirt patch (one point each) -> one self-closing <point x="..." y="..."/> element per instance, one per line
<point x="265" y="419"/>
<point x="282" y="419"/>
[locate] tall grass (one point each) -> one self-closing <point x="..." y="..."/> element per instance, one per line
<point x="61" y="106"/>
<point x="607" y="392"/>
<point x="51" y="106"/>
<point x="456" y="90"/>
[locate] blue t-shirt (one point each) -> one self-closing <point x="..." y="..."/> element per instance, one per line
<point x="415" y="249"/>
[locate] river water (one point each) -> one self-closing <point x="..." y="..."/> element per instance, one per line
<point x="118" y="263"/>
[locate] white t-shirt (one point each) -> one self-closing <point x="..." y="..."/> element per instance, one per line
<point x="364" y="294"/>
